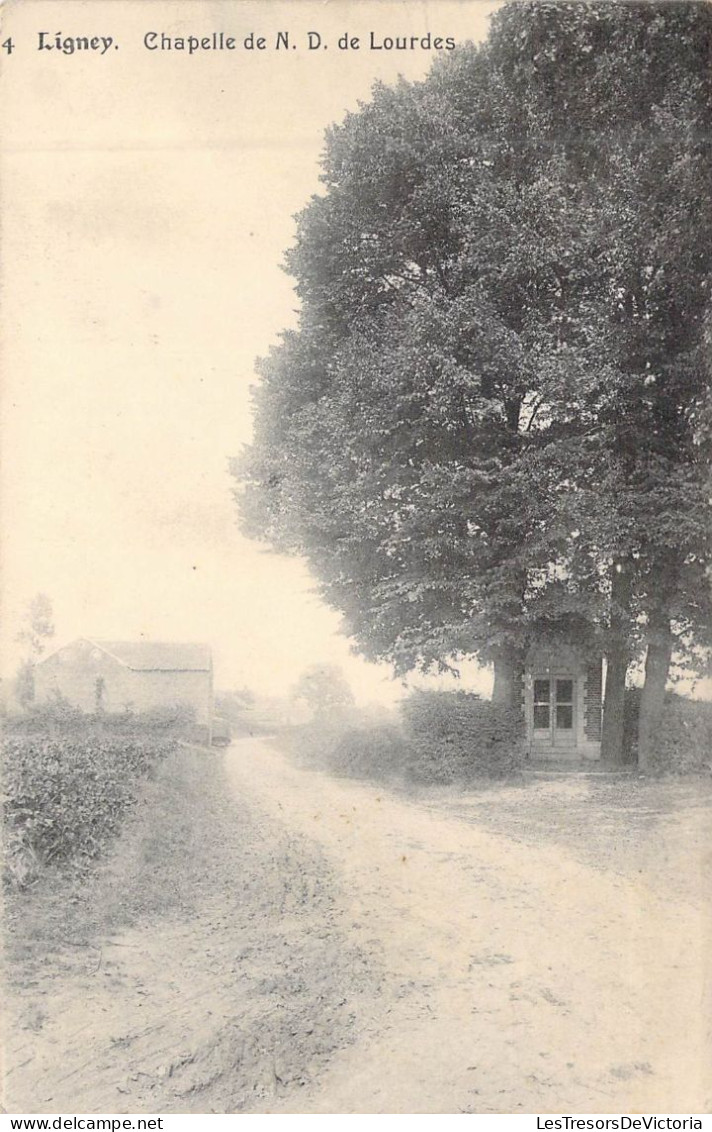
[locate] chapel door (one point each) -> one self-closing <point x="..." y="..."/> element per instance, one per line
<point x="563" y="713"/>
<point x="553" y="711"/>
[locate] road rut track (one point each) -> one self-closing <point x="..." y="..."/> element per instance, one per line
<point x="517" y="978"/>
<point x="214" y="976"/>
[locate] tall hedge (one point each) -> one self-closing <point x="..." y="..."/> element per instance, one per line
<point x="456" y="736"/>
<point x="683" y="743"/>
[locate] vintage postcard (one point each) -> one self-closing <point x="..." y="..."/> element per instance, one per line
<point x="356" y="544"/>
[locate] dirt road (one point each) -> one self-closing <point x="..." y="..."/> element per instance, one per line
<point x="265" y="938"/>
<point x="516" y="978"/>
<point x="202" y="969"/>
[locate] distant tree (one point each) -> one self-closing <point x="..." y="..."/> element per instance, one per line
<point x="243" y="696"/>
<point x="36" y="632"/>
<point x="38" y="625"/>
<point x="324" y="689"/>
<point x="234" y="702"/>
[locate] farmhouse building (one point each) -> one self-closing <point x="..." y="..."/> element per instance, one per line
<point x="117" y="676"/>
<point x="562" y="703"/>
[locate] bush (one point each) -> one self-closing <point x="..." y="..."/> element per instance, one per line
<point x="59" y="714"/>
<point x="45" y="716"/>
<point x="456" y="736"/>
<point x="377" y="752"/>
<point x="175" y="719"/>
<point x="65" y="792"/>
<point x="683" y="744"/>
<point x="445" y="737"/>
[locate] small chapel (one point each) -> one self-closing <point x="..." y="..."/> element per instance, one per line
<point x="563" y="689"/>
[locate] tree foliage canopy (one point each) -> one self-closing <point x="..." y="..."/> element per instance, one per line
<point x="497" y="396"/>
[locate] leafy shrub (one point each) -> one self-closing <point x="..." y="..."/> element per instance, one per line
<point x="445" y="737"/>
<point x="58" y="714"/>
<point x="174" y="718"/>
<point x="378" y="752"/>
<point x="65" y="792"/>
<point x="457" y="736"/>
<point x="683" y="742"/>
<point x="45" y="716"/>
<point x="373" y="751"/>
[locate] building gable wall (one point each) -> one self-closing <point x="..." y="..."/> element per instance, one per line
<point x="73" y="671"/>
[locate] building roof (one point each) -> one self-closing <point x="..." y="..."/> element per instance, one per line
<point x="158" y="656"/>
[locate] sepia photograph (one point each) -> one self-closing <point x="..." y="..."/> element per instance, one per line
<point x="356" y="559"/>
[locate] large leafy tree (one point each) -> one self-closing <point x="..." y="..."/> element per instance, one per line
<point x="391" y="427"/>
<point x="493" y="400"/>
<point x="625" y="92"/>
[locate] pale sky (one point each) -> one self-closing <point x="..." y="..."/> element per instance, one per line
<point x="148" y="200"/>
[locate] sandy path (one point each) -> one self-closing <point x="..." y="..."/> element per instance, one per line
<point x="230" y="984"/>
<point x="517" y="979"/>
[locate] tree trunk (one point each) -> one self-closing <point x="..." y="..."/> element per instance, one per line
<point x="652" y="700"/>
<point x="617" y="661"/>
<point x="508" y="666"/>
<point x="613" y="706"/>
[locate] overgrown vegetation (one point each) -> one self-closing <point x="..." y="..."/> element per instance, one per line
<point x="445" y="737"/>
<point x="455" y="736"/>
<point x="683" y="740"/>
<point x="458" y="738"/>
<point x="68" y="781"/>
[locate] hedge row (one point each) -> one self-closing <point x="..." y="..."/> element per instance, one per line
<point x="445" y="737"/>
<point x="456" y="736"/>
<point x="60" y="715"/>
<point x="683" y="741"/>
